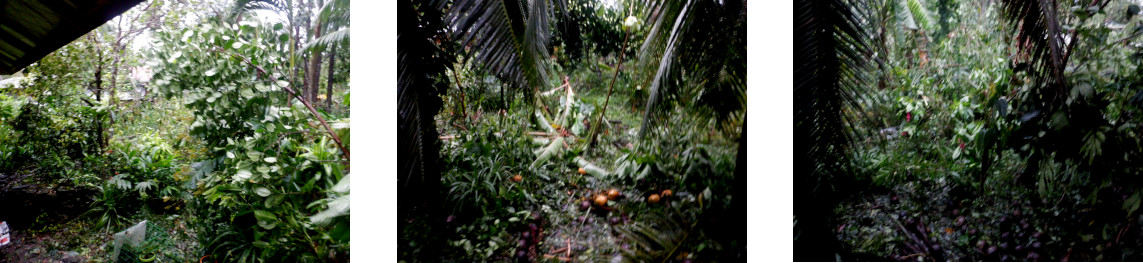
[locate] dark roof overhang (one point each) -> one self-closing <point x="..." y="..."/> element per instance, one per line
<point x="31" y="29"/>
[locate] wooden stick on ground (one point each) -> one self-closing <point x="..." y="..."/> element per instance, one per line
<point x="557" y="257"/>
<point x="913" y="255"/>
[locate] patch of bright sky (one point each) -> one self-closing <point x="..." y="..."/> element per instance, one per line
<point x="143" y="41"/>
<point x="612" y="4"/>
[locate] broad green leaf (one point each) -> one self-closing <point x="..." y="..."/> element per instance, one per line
<point x="1132" y="203"/>
<point x="265" y="215"/>
<point x="342" y="186"/>
<point x="274" y="200"/>
<point x="262" y="191"/>
<point x="267" y="225"/>
<point x="211" y="72"/>
<point x="271" y="159"/>
<point x="337" y="207"/>
<point x="549" y="152"/>
<point x="243" y="175"/>
<point x="236" y="45"/>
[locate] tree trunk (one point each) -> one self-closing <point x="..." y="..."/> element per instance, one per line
<point x="306" y="79"/>
<point x="293" y="62"/>
<point x="113" y="100"/>
<point x="314" y="70"/>
<point x="98" y="98"/>
<point x="738" y="203"/>
<point x="114" y="74"/>
<point x="329" y="77"/>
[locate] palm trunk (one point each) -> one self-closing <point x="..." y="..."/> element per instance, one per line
<point x="313" y="74"/>
<point x="329" y="77"/>
<point x="293" y="63"/>
<point x="739" y="189"/>
<point x="314" y="69"/>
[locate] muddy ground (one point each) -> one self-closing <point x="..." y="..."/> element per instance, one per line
<point x="932" y="220"/>
<point x="48" y="224"/>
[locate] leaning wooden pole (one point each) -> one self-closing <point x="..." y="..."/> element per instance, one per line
<point x="610" y="88"/>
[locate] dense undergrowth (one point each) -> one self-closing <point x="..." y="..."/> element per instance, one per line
<point x="487" y="210"/>
<point x="215" y="149"/>
<point x="962" y="151"/>
<point x="590" y="136"/>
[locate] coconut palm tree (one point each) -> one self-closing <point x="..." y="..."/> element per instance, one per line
<point x="334" y="18"/>
<point x="420" y="64"/>
<point x="829" y="59"/>
<point x="694" y="49"/>
<point x="510" y="38"/>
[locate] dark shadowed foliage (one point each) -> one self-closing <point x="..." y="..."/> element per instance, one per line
<point x="829" y="50"/>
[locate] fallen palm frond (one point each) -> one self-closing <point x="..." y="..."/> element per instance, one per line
<point x="591" y="168"/>
<point x="562" y="120"/>
<point x="557" y="128"/>
<point x="544" y="123"/>
<point x="658" y="238"/>
<point x="553" y="91"/>
<point x="553" y="149"/>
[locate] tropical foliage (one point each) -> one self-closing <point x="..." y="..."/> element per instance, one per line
<point x="970" y="130"/>
<point x="214" y="124"/>
<point x="514" y="116"/>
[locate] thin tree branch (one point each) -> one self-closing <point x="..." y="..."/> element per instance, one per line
<point x="262" y="73"/>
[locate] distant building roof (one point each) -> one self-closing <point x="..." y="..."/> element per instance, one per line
<point x="30" y="29"/>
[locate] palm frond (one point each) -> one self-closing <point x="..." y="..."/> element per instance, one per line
<point x="420" y="64"/>
<point x="706" y="37"/>
<point x="1040" y="41"/>
<point x="324" y="41"/>
<point x="919" y="15"/>
<point x="509" y="37"/>
<point x="240" y="7"/>
<point x="657" y="238"/>
<point x="335" y="13"/>
<point x="664" y="43"/>
<point x="829" y="61"/>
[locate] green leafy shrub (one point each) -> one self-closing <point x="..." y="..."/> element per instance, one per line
<point x="482" y="165"/>
<point x="268" y="188"/>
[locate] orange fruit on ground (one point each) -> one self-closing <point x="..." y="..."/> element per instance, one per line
<point x="612" y="194"/>
<point x="517" y="178"/>
<point x="654" y="198"/>
<point x="600" y="200"/>
<point x="582" y="171"/>
<point x="667" y="193"/>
